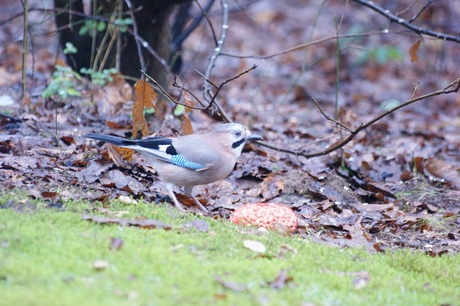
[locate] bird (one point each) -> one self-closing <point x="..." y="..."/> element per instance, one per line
<point x="190" y="160"/>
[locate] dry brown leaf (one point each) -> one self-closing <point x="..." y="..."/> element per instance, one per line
<point x="272" y="186"/>
<point x="281" y="280"/>
<point x="443" y="170"/>
<point x="188" y="102"/>
<point x="161" y="109"/>
<point x="117" y="154"/>
<point x="186" y="125"/>
<point x="145" y="98"/>
<point x="414" y="50"/>
<point x="113" y="125"/>
<point x="116" y="243"/>
<point x="110" y="99"/>
<point x="26" y="100"/>
<point x="49" y="194"/>
<point x="68" y="140"/>
<point x="234" y="286"/>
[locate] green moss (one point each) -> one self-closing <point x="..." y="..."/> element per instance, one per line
<point x="47" y="257"/>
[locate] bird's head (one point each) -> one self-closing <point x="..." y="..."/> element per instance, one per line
<point x="235" y="136"/>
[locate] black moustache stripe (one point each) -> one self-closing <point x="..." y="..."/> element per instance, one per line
<point x="238" y="143"/>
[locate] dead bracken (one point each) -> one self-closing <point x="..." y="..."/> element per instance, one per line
<point x="267" y="215"/>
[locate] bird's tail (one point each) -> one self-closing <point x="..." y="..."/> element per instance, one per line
<point x="112" y="139"/>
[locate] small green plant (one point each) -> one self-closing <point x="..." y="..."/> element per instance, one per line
<point x="63" y="83"/>
<point x="99" y="77"/>
<point x="70" y="48"/>
<point x="123" y="23"/>
<point x="92" y="26"/>
<point x="64" y="79"/>
<point x="381" y="55"/>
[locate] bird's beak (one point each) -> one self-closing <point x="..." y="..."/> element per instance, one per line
<point x="253" y="137"/>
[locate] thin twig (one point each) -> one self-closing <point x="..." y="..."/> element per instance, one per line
<point x="204" y="11"/>
<point x="406" y="23"/>
<point x="136" y="34"/>
<point x="213" y="99"/>
<point x="414" y="89"/>
<point x="451" y="88"/>
<point x="207" y="80"/>
<point x="179" y="39"/>
<point x="203" y="107"/>
<point x="329" y="117"/>
<point x="421" y="11"/>
<point x="208" y="95"/>
<point x="304" y="45"/>
<point x="25" y="4"/>
<point x="170" y="98"/>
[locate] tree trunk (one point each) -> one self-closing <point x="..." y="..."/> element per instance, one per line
<point x="152" y="19"/>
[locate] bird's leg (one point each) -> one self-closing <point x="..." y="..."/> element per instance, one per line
<point x="188" y="190"/>
<point x="169" y="187"/>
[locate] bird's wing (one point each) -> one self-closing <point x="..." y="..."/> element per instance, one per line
<point x="164" y="149"/>
<point x="197" y="148"/>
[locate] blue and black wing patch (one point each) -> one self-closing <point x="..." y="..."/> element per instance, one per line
<point x="181" y="161"/>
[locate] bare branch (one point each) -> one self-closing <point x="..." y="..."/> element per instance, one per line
<point x="136" y="35"/>
<point x="203" y="107"/>
<point x="25" y="5"/>
<point x="453" y="87"/>
<point x="304" y="45"/>
<point x="213" y="99"/>
<point x="422" y="10"/>
<point x="169" y="97"/>
<point x="204" y="11"/>
<point x="207" y="92"/>
<point x="407" y="23"/>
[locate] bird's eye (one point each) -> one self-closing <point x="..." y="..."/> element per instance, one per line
<point x="238" y="133"/>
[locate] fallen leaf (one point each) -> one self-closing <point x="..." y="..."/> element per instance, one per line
<point x="198" y="224"/>
<point x="116" y="243"/>
<point x="443" y="170"/>
<point x="272" y="186"/>
<point x="234" y="286"/>
<point x="255" y="246"/>
<point x="360" y="280"/>
<point x="68" y="140"/>
<point x="281" y="280"/>
<point x="126" y="200"/>
<point x="146" y="223"/>
<point x="100" y="264"/>
<point x="49" y="194"/>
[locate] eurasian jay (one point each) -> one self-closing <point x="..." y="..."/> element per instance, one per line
<point x="190" y="160"/>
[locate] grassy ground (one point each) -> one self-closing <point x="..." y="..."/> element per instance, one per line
<point x="47" y="257"/>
